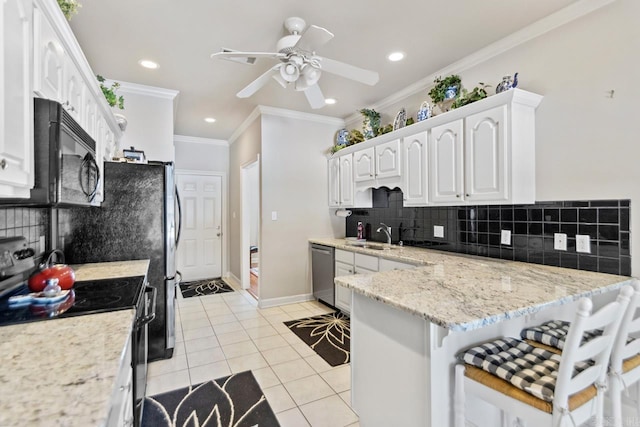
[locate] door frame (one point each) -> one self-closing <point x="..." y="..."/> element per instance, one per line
<point x="245" y="257"/>
<point x="224" y="189"/>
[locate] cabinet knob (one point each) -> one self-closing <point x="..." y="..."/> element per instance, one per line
<point x="3" y="163"/>
<point x="466" y="195"/>
<point x="371" y="175"/>
<point x="458" y="196"/>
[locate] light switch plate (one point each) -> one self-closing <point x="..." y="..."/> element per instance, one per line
<point x="438" y="231"/>
<point x="583" y="243"/>
<point x="560" y="241"/>
<point x="274" y="216"/>
<point x="505" y="237"/>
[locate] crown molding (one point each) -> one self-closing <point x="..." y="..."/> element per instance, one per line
<point x="199" y="140"/>
<point x="139" y="89"/>
<point x="551" y="22"/>
<point x="244" y="125"/>
<point x="263" y="110"/>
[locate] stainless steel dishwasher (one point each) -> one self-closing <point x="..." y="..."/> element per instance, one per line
<point x="322" y="266"/>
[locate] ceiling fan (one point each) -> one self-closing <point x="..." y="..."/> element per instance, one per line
<point x="299" y="65"/>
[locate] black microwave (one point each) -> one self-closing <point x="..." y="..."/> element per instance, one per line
<point x="65" y="166"/>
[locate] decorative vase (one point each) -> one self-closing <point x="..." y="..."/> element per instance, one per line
<point x="367" y="128"/>
<point x="341" y="137"/>
<point x="507" y="83"/>
<point x="451" y="92"/>
<point x="424" y="112"/>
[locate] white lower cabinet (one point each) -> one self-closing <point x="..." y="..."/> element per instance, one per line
<point x="389" y="265"/>
<point x="348" y="263"/>
<point x="121" y="406"/>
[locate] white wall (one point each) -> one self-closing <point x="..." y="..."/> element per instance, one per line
<point x="294" y="184"/>
<point x="149" y="112"/>
<point x="201" y="154"/>
<point x="586" y="142"/>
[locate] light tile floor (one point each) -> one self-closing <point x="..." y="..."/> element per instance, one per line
<point x="224" y="333"/>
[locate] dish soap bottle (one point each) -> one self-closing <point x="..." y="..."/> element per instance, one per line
<point x="360" y="230"/>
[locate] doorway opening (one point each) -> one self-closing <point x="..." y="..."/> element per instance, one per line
<point x="250" y="213"/>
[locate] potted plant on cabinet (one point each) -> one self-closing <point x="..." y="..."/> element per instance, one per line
<point x="445" y="90"/>
<point x="69" y="8"/>
<point x="113" y="100"/>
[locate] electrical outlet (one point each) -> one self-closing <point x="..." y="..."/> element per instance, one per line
<point x="505" y="237"/>
<point x="41" y="244"/>
<point x="438" y="231"/>
<point x="560" y="241"/>
<point x="583" y="243"/>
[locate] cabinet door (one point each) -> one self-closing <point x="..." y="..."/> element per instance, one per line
<point x="364" y="165"/>
<point x="89" y="113"/>
<point x="414" y="152"/>
<point x="346" y="180"/>
<point x="334" y="182"/>
<point x="388" y="265"/>
<point x="486" y="156"/>
<point x="48" y="59"/>
<point x="342" y="294"/>
<point x="388" y="160"/>
<point x="73" y="90"/>
<point x="446" y="167"/>
<point x="16" y="102"/>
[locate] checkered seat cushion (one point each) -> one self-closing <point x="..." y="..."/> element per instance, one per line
<point x="554" y="333"/>
<point x="531" y="369"/>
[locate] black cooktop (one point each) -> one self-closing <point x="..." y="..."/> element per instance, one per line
<point x="88" y="297"/>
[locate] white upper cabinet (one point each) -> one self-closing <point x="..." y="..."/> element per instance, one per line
<point x="378" y="165"/>
<point x="48" y="59"/>
<point x="16" y="106"/>
<point x="447" y="164"/>
<point x="486" y="156"/>
<point x="334" y="182"/>
<point x="482" y="153"/>
<point x="415" y="183"/>
<point x="346" y="181"/>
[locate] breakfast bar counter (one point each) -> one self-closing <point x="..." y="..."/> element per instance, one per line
<point x="62" y="372"/>
<point x="408" y="325"/>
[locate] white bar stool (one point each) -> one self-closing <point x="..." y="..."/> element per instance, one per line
<point x="537" y="386"/>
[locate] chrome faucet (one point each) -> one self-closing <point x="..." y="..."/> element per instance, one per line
<point x="387" y="231"/>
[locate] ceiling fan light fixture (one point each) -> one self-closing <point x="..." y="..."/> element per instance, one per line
<point x="289" y="72"/>
<point x="395" y="56"/>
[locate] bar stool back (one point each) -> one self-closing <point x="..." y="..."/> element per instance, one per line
<point x="557" y="387"/>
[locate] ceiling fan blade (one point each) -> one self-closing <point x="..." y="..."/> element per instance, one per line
<point x="314" y="96"/>
<point x="257" y="84"/>
<point x="251" y="56"/>
<point x="349" y="71"/>
<point x="313" y="38"/>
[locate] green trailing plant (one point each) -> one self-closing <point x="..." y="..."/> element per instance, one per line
<point x="437" y="92"/>
<point x="410" y="121"/>
<point x="465" y="98"/>
<point x="355" y="136"/>
<point x="335" y="148"/>
<point x="373" y="119"/>
<point x="69" y="8"/>
<point x="388" y="128"/>
<point x="110" y="93"/>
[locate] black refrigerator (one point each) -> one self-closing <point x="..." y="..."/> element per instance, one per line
<point x="138" y="219"/>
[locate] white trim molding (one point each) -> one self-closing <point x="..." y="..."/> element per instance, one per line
<point x="232" y="280"/>
<point x="139" y="89"/>
<point x="244" y="125"/>
<point x="199" y="140"/>
<point x="274" y="302"/>
<point x="551" y="22"/>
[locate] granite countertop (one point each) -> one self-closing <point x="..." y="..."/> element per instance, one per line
<point x="62" y="372"/>
<point x="110" y="270"/>
<point x="463" y="292"/>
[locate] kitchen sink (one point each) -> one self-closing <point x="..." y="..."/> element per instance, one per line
<point x="379" y="247"/>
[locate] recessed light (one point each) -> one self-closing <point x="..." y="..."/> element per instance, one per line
<point x="148" y="64"/>
<point x="330" y="101"/>
<point x="210" y="120"/>
<point x="395" y="56"/>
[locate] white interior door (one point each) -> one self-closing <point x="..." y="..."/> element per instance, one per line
<point x="200" y="247"/>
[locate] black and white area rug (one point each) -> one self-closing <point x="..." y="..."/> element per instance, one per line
<point x="329" y="335"/>
<point x="236" y="400"/>
<point x="204" y="287"/>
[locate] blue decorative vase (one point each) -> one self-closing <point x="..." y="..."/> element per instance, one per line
<point x="424" y="112"/>
<point x="451" y="92"/>
<point x="341" y="137"/>
<point x="507" y="83"/>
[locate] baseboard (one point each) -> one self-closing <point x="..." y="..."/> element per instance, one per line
<point x="233" y="280"/>
<point x="274" y="302"/>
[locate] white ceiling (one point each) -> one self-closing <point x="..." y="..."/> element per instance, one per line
<point x="180" y="36"/>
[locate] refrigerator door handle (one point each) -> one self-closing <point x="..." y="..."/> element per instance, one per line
<point x="179" y="219"/>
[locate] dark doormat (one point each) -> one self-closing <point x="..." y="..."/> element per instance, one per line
<point x="329" y="335"/>
<point x="236" y="400"/>
<point x="204" y="287"/>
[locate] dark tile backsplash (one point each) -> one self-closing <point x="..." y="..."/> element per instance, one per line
<point x="28" y="222"/>
<point x="476" y="230"/>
